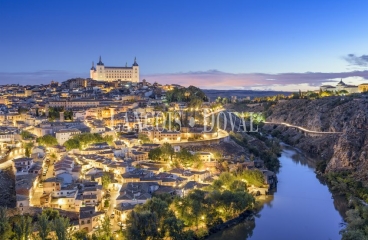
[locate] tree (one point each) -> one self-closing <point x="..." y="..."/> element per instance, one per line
<point x="343" y="92"/>
<point x="167" y="151"/>
<point x="47" y="141"/>
<point x="5" y="229"/>
<point x="43" y="226"/>
<point x="195" y="102"/>
<point x="106" y="180"/>
<point x="80" y="234"/>
<point x="51" y="214"/>
<point x="54" y="113"/>
<point x="253" y="177"/>
<point x="158" y="206"/>
<point x="173" y="227"/>
<point x="106" y="228"/>
<point x="61" y="228"/>
<point x="185" y="94"/>
<point x="53" y="156"/>
<point x="106" y="203"/>
<point x="22" y="230"/>
<point x="155" y="154"/>
<point x="27" y="153"/>
<point x="72" y="144"/>
<point x="28" y="147"/>
<point x="26" y="135"/>
<point x="326" y="94"/>
<point x="82" y="140"/>
<point x="143" y="138"/>
<point x="353" y="235"/>
<point x="142" y="225"/>
<point x="185" y="157"/>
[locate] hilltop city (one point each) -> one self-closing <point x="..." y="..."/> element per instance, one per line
<point x="104" y="155"/>
<point x="94" y="149"/>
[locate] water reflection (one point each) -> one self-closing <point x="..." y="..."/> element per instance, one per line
<point x="302" y="208"/>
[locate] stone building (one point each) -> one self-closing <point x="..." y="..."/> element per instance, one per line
<point x="105" y="73"/>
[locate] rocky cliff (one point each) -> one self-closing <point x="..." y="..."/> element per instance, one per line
<point x="345" y="151"/>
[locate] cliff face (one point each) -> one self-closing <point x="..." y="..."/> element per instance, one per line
<point x="348" y="150"/>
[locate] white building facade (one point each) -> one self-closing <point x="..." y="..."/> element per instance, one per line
<point x="105" y="73"/>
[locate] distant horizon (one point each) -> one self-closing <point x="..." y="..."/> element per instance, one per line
<point x="209" y="80"/>
<point x="256" y="45"/>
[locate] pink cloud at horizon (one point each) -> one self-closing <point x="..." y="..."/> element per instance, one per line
<point x="257" y="81"/>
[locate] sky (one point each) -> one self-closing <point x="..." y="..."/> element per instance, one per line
<point x="212" y="44"/>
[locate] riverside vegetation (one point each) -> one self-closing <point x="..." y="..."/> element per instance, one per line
<point x="163" y="216"/>
<point x="342" y="158"/>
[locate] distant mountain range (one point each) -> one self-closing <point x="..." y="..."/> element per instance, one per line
<point x="213" y="94"/>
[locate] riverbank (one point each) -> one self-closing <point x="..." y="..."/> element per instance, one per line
<point x="303" y="207"/>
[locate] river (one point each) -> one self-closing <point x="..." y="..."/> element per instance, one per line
<point x="301" y="208"/>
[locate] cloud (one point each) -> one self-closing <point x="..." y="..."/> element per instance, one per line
<point x="361" y="61"/>
<point x="38" y="77"/>
<point x="211" y="79"/>
<point x="214" y="79"/>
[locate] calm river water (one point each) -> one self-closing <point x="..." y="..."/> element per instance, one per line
<point x="302" y="207"/>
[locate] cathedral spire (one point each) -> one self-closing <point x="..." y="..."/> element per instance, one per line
<point x="93" y="65"/>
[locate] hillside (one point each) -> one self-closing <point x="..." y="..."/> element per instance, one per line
<point x="213" y="94"/>
<point x="345" y="151"/>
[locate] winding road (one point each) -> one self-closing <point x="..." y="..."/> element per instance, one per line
<point x="302" y="129"/>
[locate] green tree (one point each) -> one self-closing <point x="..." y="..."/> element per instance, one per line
<point x="72" y="144"/>
<point x="26" y="135"/>
<point x="185" y="157"/>
<point x="326" y="94"/>
<point x="80" y="234"/>
<point x="143" y="138"/>
<point x="43" y="226"/>
<point x="47" y="141"/>
<point x="106" y="203"/>
<point x="53" y="156"/>
<point x="343" y="92"/>
<point x="61" y="228"/>
<point x="54" y="113"/>
<point x="167" y="151"/>
<point x="155" y="154"/>
<point x="354" y="235"/>
<point x="23" y="229"/>
<point x="106" y="228"/>
<point x="253" y="177"/>
<point x="27" y="153"/>
<point x="196" y="205"/>
<point x="142" y="225"/>
<point x="173" y="227"/>
<point x="106" y="180"/>
<point x="51" y="214"/>
<point x="5" y="229"/>
<point x="157" y="206"/>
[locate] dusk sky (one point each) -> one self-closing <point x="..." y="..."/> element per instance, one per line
<point x="255" y="44"/>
